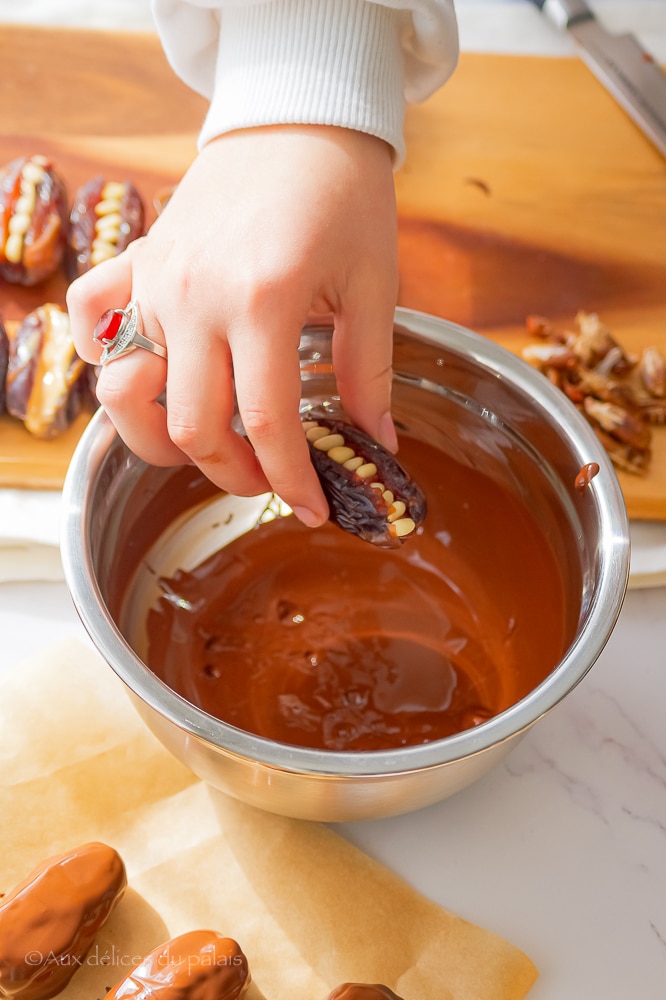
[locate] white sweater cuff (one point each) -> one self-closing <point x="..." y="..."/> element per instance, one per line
<point x="326" y="62"/>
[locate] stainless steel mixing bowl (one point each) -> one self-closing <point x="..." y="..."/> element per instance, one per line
<point x="445" y="377"/>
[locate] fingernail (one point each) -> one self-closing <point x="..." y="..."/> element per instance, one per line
<point x="308" y="517"/>
<point x="387" y="434"/>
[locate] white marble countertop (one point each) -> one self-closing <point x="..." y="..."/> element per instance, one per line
<point x="562" y="848"/>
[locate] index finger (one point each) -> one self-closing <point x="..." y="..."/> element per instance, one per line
<point x="268" y="390"/>
<point x="200" y="396"/>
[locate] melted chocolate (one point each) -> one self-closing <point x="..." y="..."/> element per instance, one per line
<point x="49" y="921"/>
<point x="198" y="965"/>
<point x="314" y="638"/>
<point x="586" y="475"/>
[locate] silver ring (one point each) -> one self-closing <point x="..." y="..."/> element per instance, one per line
<point x="119" y="331"/>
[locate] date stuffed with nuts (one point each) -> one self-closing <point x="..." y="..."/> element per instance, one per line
<point x="198" y="965"/>
<point x="369" y="493"/>
<point x="33" y="220"/>
<point x="47" y="383"/>
<point x="106" y="216"/>
<point x="50" y="920"/>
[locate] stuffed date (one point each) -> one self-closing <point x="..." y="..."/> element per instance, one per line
<point x="106" y="216"/>
<point x="49" y="921"/>
<point x="47" y="382"/>
<point x="369" y="493"/>
<point x="33" y="220"/>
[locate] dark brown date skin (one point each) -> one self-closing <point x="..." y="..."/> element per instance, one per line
<point x="362" y="991"/>
<point x="198" y="965"/>
<point x="46" y="238"/>
<point x="47" y="382"/>
<point x="50" y="920"/>
<point x="83" y="217"/>
<point x="4" y="362"/>
<point x="353" y="504"/>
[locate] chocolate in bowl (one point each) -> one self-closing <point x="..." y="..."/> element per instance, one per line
<point x="510" y="590"/>
<point x="320" y="639"/>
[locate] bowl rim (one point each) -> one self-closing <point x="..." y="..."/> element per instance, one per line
<point x="595" y="630"/>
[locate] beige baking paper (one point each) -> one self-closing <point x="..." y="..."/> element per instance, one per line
<point x="309" y="910"/>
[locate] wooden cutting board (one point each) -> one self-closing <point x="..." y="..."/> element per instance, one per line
<point x="526" y="190"/>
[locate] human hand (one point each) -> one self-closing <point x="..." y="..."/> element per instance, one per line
<point x="269" y="226"/>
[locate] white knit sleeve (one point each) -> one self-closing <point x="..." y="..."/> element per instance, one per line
<point x="352" y="63"/>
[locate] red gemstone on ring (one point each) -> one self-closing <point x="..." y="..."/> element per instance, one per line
<point x="107" y="326"/>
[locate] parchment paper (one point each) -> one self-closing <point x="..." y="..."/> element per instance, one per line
<point x="309" y="910"/>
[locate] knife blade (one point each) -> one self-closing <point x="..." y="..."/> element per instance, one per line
<point x="624" y="67"/>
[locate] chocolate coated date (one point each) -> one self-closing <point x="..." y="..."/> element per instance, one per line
<point x="47" y="382"/>
<point x="4" y="361"/>
<point x="106" y="216"/>
<point x="199" y="965"/>
<point x="362" y="991"/>
<point x="33" y="220"/>
<point x="50" y="920"/>
<point x="368" y="491"/>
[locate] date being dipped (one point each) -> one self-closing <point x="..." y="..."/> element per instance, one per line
<point x="368" y="492"/>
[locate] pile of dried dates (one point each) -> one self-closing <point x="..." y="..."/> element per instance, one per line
<point x="621" y="395"/>
<point x="42" y="380"/>
<point x="49" y="921"/>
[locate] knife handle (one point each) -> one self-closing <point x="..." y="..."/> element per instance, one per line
<point x="564" y="13"/>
